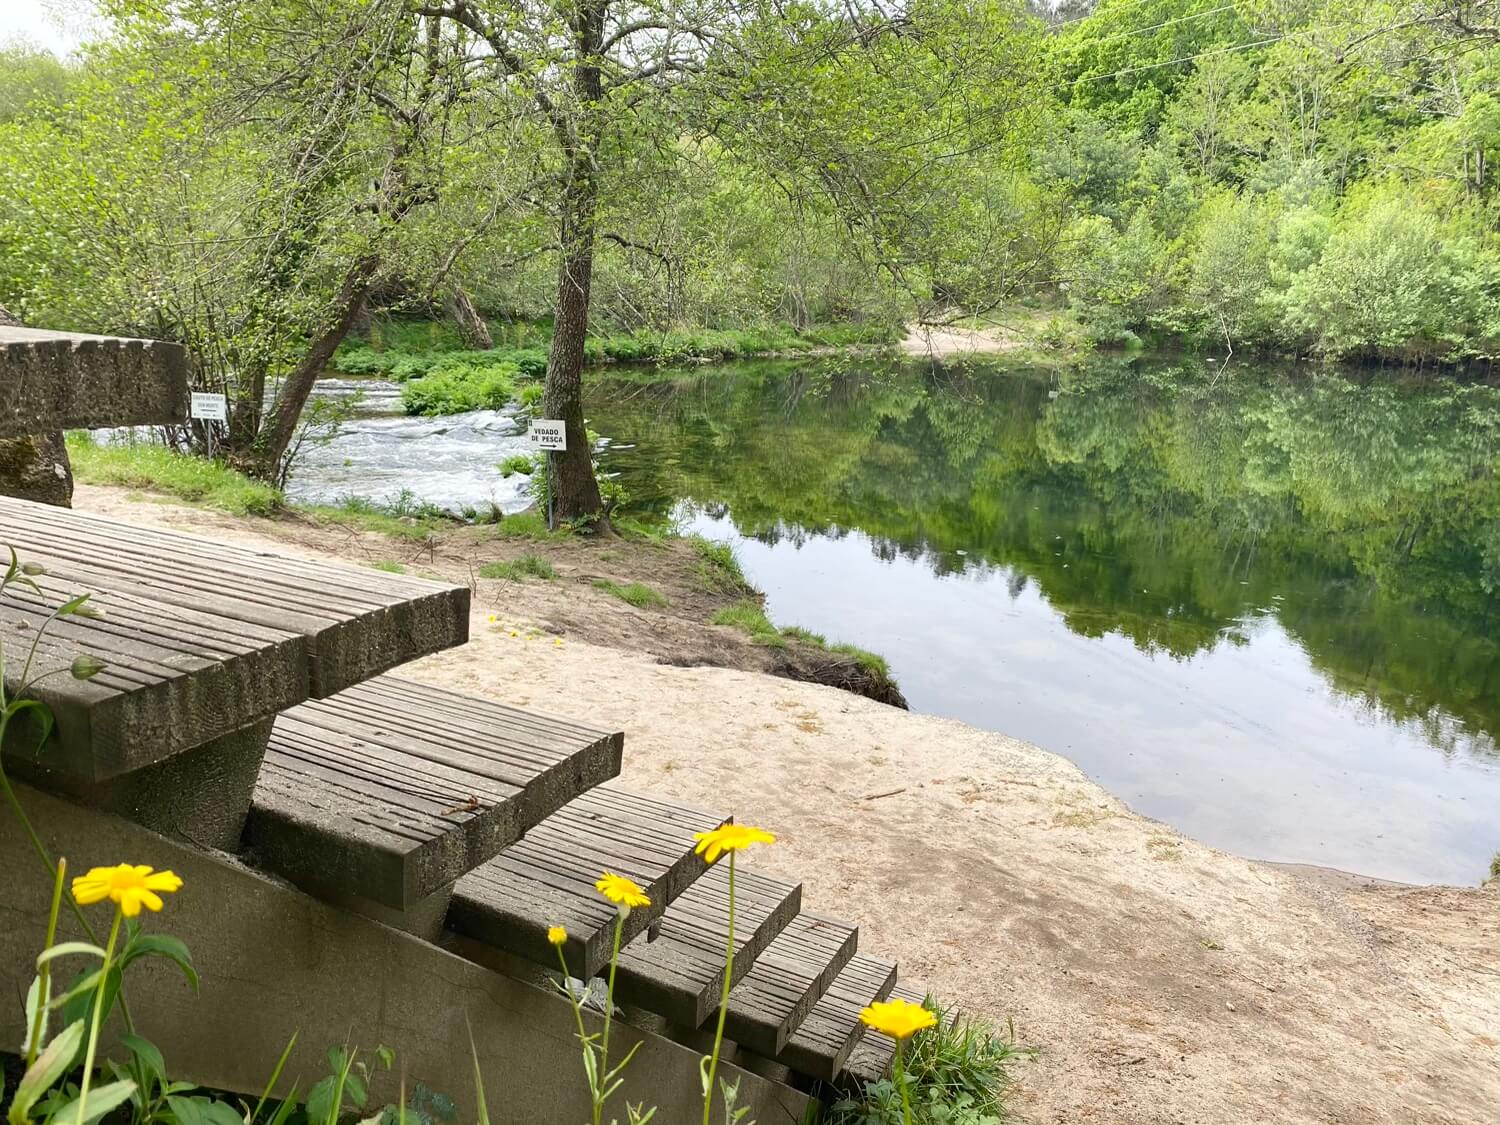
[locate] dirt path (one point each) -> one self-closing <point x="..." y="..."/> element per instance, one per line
<point x="1167" y="983"/>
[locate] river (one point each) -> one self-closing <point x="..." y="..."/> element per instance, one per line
<point x="1258" y="605"/>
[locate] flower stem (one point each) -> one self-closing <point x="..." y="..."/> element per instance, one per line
<point x="713" y="1062"/>
<point x="44" y="991"/>
<point x="609" y="1011"/>
<point x="901" y="1081"/>
<point x="572" y="999"/>
<point x="88" y="1058"/>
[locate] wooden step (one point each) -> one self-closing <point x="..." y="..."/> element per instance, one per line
<point x="547" y="878"/>
<point x="822" y="1044"/>
<point x="392" y="789"/>
<point x="871" y="1058"/>
<point x="678" y="970"/>
<point x="780" y="989"/>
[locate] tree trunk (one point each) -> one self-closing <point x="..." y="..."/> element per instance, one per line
<point x="572" y="487"/>
<point x="574" y="491"/>
<point x="472" y="329"/>
<point x="265" y="459"/>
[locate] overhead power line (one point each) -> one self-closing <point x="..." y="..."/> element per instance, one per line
<point x="1169" y="62"/>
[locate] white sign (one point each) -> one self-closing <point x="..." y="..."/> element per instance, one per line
<point x="210" y="408"/>
<point x="547" y="433"/>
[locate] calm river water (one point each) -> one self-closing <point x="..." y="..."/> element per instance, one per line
<point x="1260" y="607"/>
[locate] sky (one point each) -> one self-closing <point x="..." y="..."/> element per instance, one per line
<point x="57" y="25"/>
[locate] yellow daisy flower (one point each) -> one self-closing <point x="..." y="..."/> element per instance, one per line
<point x="556" y="935"/>
<point x="621" y="891"/>
<point x="729" y="838"/>
<point x="130" y="886"/>
<point x="900" y="1019"/>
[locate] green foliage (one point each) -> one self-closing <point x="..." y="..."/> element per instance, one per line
<point x="389" y="566"/>
<point x="718" y="569"/>
<point x="520" y="568"/>
<point x="155" y="468"/>
<point x="458" y="387"/>
<point x="523" y="463"/>
<point x="637" y="594"/>
<point x="750" y="617"/>
<point x="401" y="518"/>
<point x="959" y="1074"/>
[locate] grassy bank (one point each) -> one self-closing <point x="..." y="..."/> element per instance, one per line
<point x="440" y="376"/>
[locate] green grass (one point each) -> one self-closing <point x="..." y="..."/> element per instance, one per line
<point x="717" y="569"/>
<point x="389" y="567"/>
<point x="401" y="518"/>
<point x="958" y="1074"/>
<point x="865" y="658"/>
<point x="153" y="468"/>
<point x="519" y="569"/>
<point x="637" y="594"/>
<point x="523" y="525"/>
<point x="748" y="617"/>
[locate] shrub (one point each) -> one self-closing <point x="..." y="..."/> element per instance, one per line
<point x="459" y="388"/>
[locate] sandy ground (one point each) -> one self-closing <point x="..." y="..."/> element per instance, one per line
<point x="1165" y="982"/>
<point x="955" y="341"/>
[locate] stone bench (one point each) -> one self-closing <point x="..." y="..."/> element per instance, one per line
<point x="55" y="381"/>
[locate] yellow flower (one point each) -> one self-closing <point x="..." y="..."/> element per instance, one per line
<point x="900" y="1019"/>
<point x="131" y="887"/>
<point x="621" y="891"/>
<point x="558" y="642"/>
<point x="513" y="633"/>
<point x="557" y="935"/>
<point x="729" y="838"/>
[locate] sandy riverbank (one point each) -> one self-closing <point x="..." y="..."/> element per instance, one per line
<point x="1165" y="982"/>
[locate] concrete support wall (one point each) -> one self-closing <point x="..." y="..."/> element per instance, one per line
<point x="275" y="961"/>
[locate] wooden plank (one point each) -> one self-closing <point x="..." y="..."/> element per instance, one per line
<point x="373" y="793"/>
<point x="173" y="678"/>
<point x="677" y="970"/>
<point x="872" y="1056"/>
<point x="822" y="1044"/>
<point x="357" y="622"/>
<point x="785" y="982"/>
<point x="547" y="878"/>
<point x="65" y="380"/>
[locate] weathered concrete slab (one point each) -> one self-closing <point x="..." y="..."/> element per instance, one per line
<point x="275" y="961"/>
<point x="64" y="381"/>
<point x="201" y="795"/>
<point x="393" y="789"/>
<point x="357" y="622"/>
<point x="547" y="878"/>
<point x="677" y="969"/>
<point x="173" y="678"/>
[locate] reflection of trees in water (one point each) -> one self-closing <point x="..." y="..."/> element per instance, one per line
<point x="1147" y="502"/>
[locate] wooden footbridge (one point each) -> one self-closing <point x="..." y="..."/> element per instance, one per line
<point x="246" y="709"/>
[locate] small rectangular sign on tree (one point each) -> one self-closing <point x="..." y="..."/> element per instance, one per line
<point x="210" y="408"/>
<point x="548" y="434"/>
